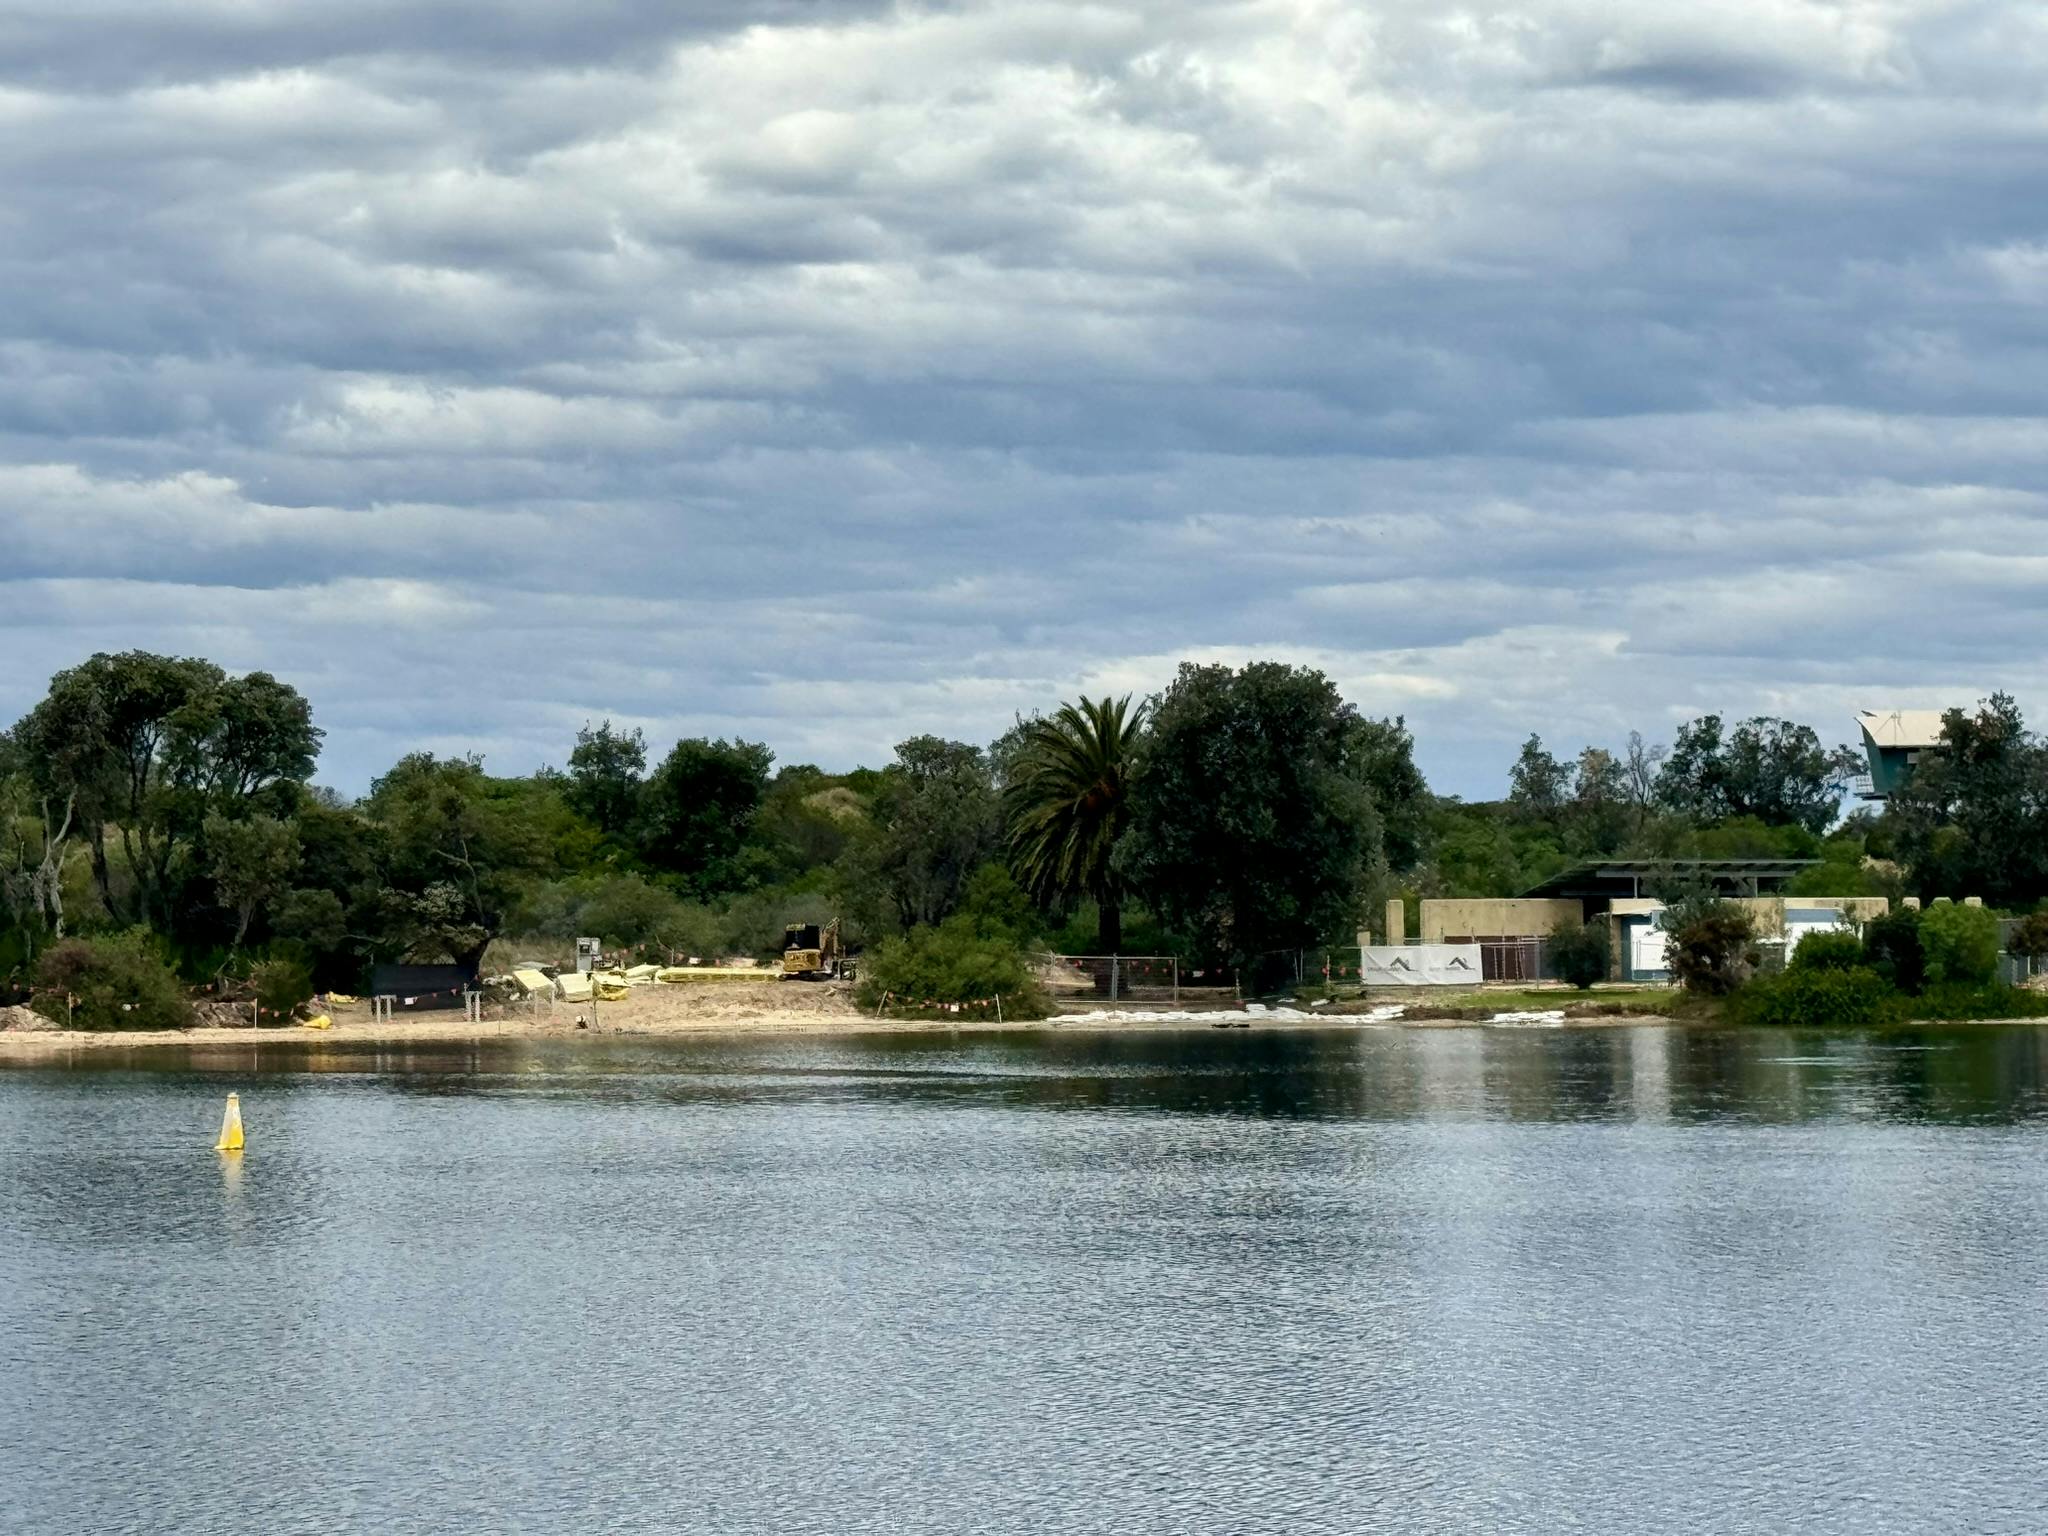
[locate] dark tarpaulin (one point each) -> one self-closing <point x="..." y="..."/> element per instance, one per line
<point x="421" y="987"/>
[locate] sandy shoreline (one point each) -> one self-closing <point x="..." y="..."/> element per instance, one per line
<point x="26" y="1044"/>
<point x="768" y="1009"/>
<point x="29" y="1045"/>
<point x="672" y="1013"/>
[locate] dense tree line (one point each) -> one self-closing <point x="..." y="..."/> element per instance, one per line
<point x="1240" y="811"/>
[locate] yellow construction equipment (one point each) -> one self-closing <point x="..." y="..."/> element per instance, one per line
<point x="812" y="953"/>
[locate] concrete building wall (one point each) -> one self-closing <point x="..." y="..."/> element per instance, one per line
<point x="1447" y="917"/>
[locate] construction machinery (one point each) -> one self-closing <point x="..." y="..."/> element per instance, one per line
<point x="812" y="953"/>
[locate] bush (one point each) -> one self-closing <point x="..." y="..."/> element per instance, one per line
<point x="1960" y="943"/>
<point x="930" y="969"/>
<point x="998" y="907"/>
<point x="116" y="983"/>
<point x="1579" y="952"/>
<point x="1817" y="997"/>
<point x="282" y="987"/>
<point x="1713" y="951"/>
<point x="1962" y="1001"/>
<point x="1838" y="951"/>
<point x="1891" y="947"/>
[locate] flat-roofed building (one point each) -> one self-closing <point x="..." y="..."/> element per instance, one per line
<point x="1509" y="931"/>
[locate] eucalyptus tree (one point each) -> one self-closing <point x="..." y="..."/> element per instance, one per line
<point x="1067" y="804"/>
<point x="138" y="750"/>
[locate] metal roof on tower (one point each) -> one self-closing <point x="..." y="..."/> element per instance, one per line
<point x="1901" y="727"/>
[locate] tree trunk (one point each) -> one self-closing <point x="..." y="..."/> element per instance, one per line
<point x="47" y="885"/>
<point x="102" y="876"/>
<point x="1109" y="928"/>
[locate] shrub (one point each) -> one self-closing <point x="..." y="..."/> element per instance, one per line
<point x="1579" y="952"/>
<point x="999" y="908"/>
<point x="1825" y="951"/>
<point x="1960" y="943"/>
<point x="282" y="987"/>
<point x="1713" y="951"/>
<point x="116" y="983"/>
<point x="1891" y="947"/>
<point x="951" y="964"/>
<point x="1962" y="1001"/>
<point x="1817" y="998"/>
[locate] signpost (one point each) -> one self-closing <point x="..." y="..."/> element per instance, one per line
<point x="586" y="962"/>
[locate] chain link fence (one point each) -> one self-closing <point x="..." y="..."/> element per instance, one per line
<point x="1138" y="978"/>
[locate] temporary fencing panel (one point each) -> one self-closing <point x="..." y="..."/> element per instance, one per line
<point x="1423" y="965"/>
<point x="1510" y="957"/>
<point x="1143" y="978"/>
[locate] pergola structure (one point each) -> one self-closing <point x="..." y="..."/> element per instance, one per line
<point x="1606" y="880"/>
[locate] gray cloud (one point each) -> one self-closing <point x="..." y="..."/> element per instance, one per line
<point x="1528" y="366"/>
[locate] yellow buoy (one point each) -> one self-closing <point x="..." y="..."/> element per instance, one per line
<point x="231" y="1126"/>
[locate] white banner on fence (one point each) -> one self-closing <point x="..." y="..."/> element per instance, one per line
<point x="1420" y="965"/>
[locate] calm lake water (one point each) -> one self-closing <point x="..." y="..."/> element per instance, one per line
<point x="1396" y="1280"/>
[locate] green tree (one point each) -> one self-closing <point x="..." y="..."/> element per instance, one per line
<point x="35" y="838"/>
<point x="697" y="809"/>
<point x="995" y="906"/>
<point x="1537" y="784"/>
<point x="605" y="770"/>
<point x="1580" y="952"/>
<point x="1251" y="827"/>
<point x="806" y="820"/>
<point x="1960" y="944"/>
<point x="1712" y="947"/>
<point x="1485" y="850"/>
<point x="1383" y="754"/>
<point x="459" y="857"/>
<point x="1778" y="772"/>
<point x="141" y="748"/>
<point x="1773" y="770"/>
<point x="1972" y="819"/>
<point x="934" y="820"/>
<point x="1693" y="780"/>
<point x="1596" y="817"/>
<point x="252" y="863"/>
<point x="1639" y="767"/>
<point x="1067" y="803"/>
<point x="1891" y="947"/>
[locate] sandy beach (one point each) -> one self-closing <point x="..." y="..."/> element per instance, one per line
<point x="772" y="1008"/>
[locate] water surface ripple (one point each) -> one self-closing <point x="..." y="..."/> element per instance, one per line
<point x="1395" y="1281"/>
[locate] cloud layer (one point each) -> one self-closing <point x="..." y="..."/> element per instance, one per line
<point x="826" y="371"/>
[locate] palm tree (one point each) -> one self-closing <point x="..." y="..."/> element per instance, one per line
<point x="1068" y="802"/>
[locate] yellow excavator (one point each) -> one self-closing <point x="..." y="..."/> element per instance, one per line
<point x="812" y="953"/>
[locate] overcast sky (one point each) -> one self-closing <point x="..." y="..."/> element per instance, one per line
<point x="826" y="371"/>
